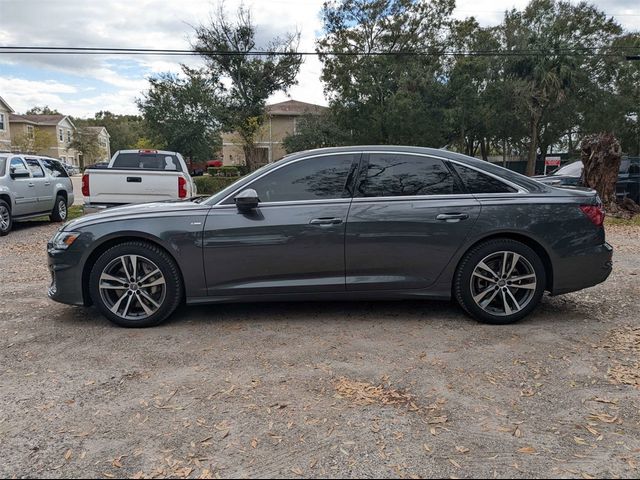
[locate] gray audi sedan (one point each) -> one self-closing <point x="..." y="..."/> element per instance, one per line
<point x="369" y="223"/>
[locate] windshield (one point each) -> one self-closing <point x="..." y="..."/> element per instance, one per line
<point x="571" y="170"/>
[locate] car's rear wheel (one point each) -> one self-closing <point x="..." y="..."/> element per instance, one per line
<point x="500" y="281"/>
<point x="135" y="284"/>
<point x="59" y="213"/>
<point x="6" y="221"/>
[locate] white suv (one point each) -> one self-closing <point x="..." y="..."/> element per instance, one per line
<point x="32" y="186"/>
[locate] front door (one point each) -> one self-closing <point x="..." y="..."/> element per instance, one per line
<point x="23" y="188"/>
<point x="293" y="242"/>
<point x="408" y="218"/>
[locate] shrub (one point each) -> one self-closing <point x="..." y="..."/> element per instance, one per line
<point x="210" y="185"/>
<point x="223" y="171"/>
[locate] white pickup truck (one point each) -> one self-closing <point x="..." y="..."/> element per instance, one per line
<point x="137" y="176"/>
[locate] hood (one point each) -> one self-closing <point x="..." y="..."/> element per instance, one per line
<point x="118" y="213"/>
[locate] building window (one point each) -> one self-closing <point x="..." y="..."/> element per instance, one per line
<point x="61" y="135"/>
<point x="2" y="122"/>
<point x="30" y="131"/>
<point x="295" y="125"/>
<point x="68" y="136"/>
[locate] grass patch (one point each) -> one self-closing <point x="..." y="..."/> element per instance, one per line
<point x="626" y="222"/>
<point x="74" y="211"/>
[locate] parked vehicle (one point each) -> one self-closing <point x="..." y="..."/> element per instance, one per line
<point x="71" y="169"/>
<point x="341" y="223"/>
<point x="137" y="176"/>
<point x="196" y="169"/>
<point x="32" y="186"/>
<point x="628" y="178"/>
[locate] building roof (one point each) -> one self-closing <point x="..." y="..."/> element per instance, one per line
<point x="294" y="107"/>
<point x="98" y="129"/>
<point x="3" y="102"/>
<point x="37" y="119"/>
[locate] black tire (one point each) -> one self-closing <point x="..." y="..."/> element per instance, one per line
<point x="505" y="295"/>
<point x="6" y="221"/>
<point x="171" y="297"/>
<point x="60" y="210"/>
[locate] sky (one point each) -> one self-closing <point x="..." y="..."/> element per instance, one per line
<point x="82" y="85"/>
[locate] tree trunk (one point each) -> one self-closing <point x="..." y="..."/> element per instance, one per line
<point x="533" y="146"/>
<point x="250" y="157"/>
<point x="483" y="149"/>
<point x="504" y="153"/>
<point x="600" y="155"/>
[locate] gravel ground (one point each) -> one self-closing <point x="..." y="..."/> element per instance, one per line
<point x="404" y="389"/>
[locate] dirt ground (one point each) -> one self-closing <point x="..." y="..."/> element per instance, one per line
<point x="393" y="389"/>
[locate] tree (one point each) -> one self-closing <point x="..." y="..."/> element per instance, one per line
<point x="43" y="111"/>
<point x="601" y="159"/>
<point x="86" y="142"/>
<point x="182" y="112"/>
<point x="316" y="131"/>
<point x="40" y="141"/>
<point x="546" y="39"/>
<point x="124" y="130"/>
<point x="253" y="78"/>
<point x="379" y="89"/>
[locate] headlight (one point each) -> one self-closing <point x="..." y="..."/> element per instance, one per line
<point x="64" y="240"/>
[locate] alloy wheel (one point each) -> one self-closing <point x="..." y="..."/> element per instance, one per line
<point x="132" y="287"/>
<point x="62" y="209"/>
<point x="503" y="283"/>
<point x="5" y="218"/>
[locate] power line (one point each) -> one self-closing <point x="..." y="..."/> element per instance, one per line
<point x="35" y="50"/>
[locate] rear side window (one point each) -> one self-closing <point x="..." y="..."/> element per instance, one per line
<point x="315" y="178"/>
<point x="147" y="161"/>
<point x="477" y="182"/>
<point x="36" y="169"/>
<point x="55" y="169"/>
<point x="397" y="175"/>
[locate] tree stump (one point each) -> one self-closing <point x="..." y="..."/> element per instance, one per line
<point x="600" y="153"/>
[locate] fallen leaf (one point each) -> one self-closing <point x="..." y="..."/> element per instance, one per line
<point x="68" y="454"/>
<point x="462" y="449"/>
<point x="527" y="450"/>
<point x="454" y="463"/>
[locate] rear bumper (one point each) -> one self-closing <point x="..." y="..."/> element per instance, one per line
<point x="587" y="269"/>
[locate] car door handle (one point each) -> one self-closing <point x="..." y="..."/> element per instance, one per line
<point x="47" y="184"/>
<point x="325" y="221"/>
<point x="452" y="217"/>
<point x="31" y="185"/>
<point x="134" y="179"/>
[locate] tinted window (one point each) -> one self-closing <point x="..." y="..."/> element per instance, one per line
<point x="17" y="165"/>
<point x="477" y="182"/>
<point x="147" y="161"/>
<point x="36" y="169"/>
<point x="312" y="179"/>
<point x="55" y="169"/>
<point x="395" y="175"/>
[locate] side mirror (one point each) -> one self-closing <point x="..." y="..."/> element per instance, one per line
<point x="247" y="200"/>
<point x="19" y="173"/>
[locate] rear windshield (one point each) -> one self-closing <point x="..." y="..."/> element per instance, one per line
<point x="147" y="161"/>
<point x="3" y="164"/>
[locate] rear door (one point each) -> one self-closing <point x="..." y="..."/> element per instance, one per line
<point x="409" y="216"/>
<point x="42" y="185"/>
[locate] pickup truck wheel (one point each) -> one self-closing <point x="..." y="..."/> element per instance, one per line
<point x="135" y="284"/>
<point x="5" y="218"/>
<point x="59" y="213"/>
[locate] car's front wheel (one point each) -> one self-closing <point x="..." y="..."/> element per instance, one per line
<point x="135" y="284"/>
<point x="500" y="281"/>
<point x="5" y="218"/>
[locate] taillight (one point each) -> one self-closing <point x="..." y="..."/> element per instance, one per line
<point x="85" y="185"/>
<point x="595" y="213"/>
<point x="182" y="187"/>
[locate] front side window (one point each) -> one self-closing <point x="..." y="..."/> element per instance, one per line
<point x="398" y="175"/>
<point x="17" y="165"/>
<point x="55" y="169"/>
<point x="36" y="169"/>
<point x="316" y="178"/>
<point x="477" y="182"/>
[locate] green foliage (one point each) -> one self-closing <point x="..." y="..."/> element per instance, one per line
<point x="42" y="111"/>
<point x="225" y="171"/>
<point x="316" y="131"/>
<point x="86" y="142"/>
<point x="39" y="142"/>
<point x="181" y="112"/>
<point x="253" y="79"/>
<point x="124" y="130"/>
<point x="209" y="185"/>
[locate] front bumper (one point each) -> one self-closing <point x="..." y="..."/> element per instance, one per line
<point x="589" y="268"/>
<point x="66" y="277"/>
